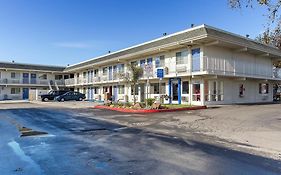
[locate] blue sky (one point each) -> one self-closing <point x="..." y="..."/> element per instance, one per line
<point x="61" y="32"/>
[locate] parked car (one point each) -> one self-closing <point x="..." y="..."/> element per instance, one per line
<point x="71" y="96"/>
<point x="52" y="94"/>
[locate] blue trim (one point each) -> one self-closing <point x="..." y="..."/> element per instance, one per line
<point x="179" y="90"/>
<point x="170" y="91"/>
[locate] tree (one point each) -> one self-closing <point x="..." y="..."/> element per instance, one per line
<point x="272" y="32"/>
<point x="132" y="77"/>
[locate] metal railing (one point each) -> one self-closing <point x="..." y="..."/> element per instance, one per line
<point x="31" y="81"/>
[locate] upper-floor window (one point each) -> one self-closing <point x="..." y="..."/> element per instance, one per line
<point x="135" y="63"/>
<point x="15" y="75"/>
<point x="104" y="71"/>
<point x="181" y="57"/>
<point x="96" y="72"/>
<point x="121" y="68"/>
<point x="84" y="74"/>
<point x="149" y="61"/>
<point x="58" y="77"/>
<point x="142" y="63"/>
<point x="42" y="76"/>
<point x="160" y="61"/>
<point x="195" y="59"/>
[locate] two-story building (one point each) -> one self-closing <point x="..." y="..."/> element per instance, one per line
<point x="17" y="80"/>
<point x="200" y="66"/>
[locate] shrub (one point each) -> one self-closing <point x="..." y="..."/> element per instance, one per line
<point x="150" y="101"/>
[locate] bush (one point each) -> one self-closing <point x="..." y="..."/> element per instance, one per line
<point x="150" y="101"/>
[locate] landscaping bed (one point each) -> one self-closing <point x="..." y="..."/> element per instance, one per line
<point x="153" y="108"/>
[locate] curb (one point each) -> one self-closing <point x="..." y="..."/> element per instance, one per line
<point x="149" y="110"/>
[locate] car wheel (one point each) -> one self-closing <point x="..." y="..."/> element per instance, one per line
<point x="45" y="99"/>
<point x="62" y="99"/>
<point x="80" y="99"/>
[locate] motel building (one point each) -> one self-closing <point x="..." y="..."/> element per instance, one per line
<point x="202" y="65"/>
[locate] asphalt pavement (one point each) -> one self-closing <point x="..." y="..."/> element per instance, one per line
<point x="77" y="143"/>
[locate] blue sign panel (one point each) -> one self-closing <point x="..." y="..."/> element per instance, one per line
<point x="160" y="73"/>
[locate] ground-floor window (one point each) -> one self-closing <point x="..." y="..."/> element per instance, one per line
<point x="121" y="89"/>
<point x="136" y="90"/>
<point x="213" y="90"/>
<point x="263" y="88"/>
<point x="96" y="90"/>
<point x="185" y="87"/>
<point x="15" y="90"/>
<point x="156" y="89"/>
<point x="196" y="96"/>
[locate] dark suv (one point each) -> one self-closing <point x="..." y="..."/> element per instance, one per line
<point x="52" y="94"/>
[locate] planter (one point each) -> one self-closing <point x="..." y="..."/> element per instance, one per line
<point x="126" y="110"/>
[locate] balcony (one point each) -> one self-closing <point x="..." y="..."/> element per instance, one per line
<point x="70" y="81"/>
<point x="96" y="79"/>
<point x="31" y="81"/>
<point x="220" y="66"/>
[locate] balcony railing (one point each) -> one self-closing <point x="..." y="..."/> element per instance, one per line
<point x="31" y="81"/>
<point x="221" y="67"/>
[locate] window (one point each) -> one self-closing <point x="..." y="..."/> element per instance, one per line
<point x="196" y="92"/>
<point x="181" y="57"/>
<point x="15" y="90"/>
<point x="185" y="87"/>
<point x="121" y="89"/>
<point x="136" y="90"/>
<point x="42" y="76"/>
<point x="104" y="71"/>
<point x="96" y="90"/>
<point x="263" y="88"/>
<point x="160" y="61"/>
<point x="135" y="63"/>
<point x="58" y="77"/>
<point x="154" y="88"/>
<point x="96" y="73"/>
<point x="142" y="63"/>
<point x="196" y="59"/>
<point x="213" y="90"/>
<point x="15" y="75"/>
<point x="121" y="68"/>
<point x="84" y="74"/>
<point x="149" y="61"/>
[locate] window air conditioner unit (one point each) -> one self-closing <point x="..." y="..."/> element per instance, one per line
<point x="181" y="68"/>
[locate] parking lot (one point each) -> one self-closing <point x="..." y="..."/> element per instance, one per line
<point x="245" y="139"/>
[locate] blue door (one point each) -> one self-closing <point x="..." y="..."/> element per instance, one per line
<point x="175" y="90"/>
<point x="25" y="78"/>
<point x="25" y="93"/>
<point x="33" y="78"/>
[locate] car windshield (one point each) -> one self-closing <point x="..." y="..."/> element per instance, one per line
<point x="52" y="92"/>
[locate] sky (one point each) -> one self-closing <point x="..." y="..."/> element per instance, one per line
<point x="62" y="32"/>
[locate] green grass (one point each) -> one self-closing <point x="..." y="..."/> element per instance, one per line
<point x="172" y="106"/>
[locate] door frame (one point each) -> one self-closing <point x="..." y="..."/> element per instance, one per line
<point x="171" y="80"/>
